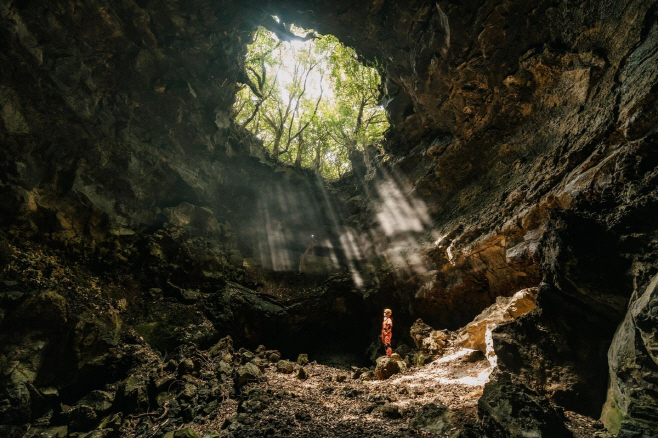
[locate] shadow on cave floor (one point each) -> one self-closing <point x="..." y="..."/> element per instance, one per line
<point x="334" y="356"/>
<point x="340" y="349"/>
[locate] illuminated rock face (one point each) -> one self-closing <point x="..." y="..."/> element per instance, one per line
<point x="629" y="404"/>
<point x="474" y="335"/>
<point x="523" y="151"/>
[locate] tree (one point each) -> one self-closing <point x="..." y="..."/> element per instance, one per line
<point x="287" y="115"/>
<point x="309" y="100"/>
<point x="259" y="62"/>
<point x="359" y="119"/>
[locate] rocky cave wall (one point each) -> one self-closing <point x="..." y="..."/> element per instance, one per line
<point x="529" y="127"/>
<point x="132" y="207"/>
<point x="523" y="151"/>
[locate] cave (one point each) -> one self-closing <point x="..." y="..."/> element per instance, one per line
<point x="153" y="275"/>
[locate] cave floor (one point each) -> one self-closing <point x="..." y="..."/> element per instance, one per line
<point x="329" y="403"/>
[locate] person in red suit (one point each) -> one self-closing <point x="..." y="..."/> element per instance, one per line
<point x="387" y="331"/>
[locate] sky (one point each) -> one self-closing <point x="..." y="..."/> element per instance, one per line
<point x="288" y="52"/>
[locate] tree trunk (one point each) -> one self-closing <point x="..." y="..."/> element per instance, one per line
<point x="300" y="150"/>
<point x="317" y="160"/>
<point x="277" y="143"/>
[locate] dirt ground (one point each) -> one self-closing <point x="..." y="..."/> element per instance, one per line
<point x="329" y="403"/>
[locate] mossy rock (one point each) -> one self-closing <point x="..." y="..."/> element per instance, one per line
<point x="182" y="433"/>
<point x="302" y="359"/>
<point x="47" y="311"/>
<point x="145" y="330"/>
<point x="132" y="394"/>
<point x="174" y="328"/>
<point x="284" y="366"/>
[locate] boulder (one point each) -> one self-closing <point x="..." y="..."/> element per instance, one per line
<point x="389" y="411"/>
<point x="433" y="418"/>
<point x="284" y="366"/>
<point x="182" y="433"/>
<point x="132" y="394"/>
<point x="302" y="359"/>
<point x="186" y="366"/>
<point x="99" y="401"/>
<point x="474" y="335"/>
<point x="224" y="368"/>
<point x="254" y="401"/>
<point x="512" y="410"/>
<point x="435" y="343"/>
<point x="188" y="392"/>
<point x="429" y="341"/>
<point x="47" y="311"/>
<point x="274" y="356"/>
<point x="419" y="359"/>
<point x="419" y="331"/>
<point x="367" y="376"/>
<point x="246" y="373"/>
<point x="260" y="363"/>
<point x="246" y="355"/>
<point x="560" y="350"/>
<point x="222" y="346"/>
<point x="387" y="366"/>
<point x="357" y="372"/>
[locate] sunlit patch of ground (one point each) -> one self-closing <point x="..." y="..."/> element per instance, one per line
<point x="323" y="405"/>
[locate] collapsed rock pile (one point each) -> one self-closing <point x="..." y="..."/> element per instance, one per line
<point x="159" y="395"/>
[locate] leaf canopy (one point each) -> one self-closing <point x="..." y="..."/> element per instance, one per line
<point x="312" y="103"/>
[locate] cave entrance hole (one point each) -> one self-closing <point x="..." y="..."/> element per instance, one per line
<point x="312" y="101"/>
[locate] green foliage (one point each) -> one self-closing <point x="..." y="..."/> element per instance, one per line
<point x="312" y="103"/>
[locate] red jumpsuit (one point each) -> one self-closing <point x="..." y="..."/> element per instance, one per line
<point x="387" y="334"/>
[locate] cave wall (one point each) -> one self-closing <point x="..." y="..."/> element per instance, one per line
<point x="525" y="130"/>
<point x="132" y="207"/>
<point x="112" y="114"/>
<point x="502" y="111"/>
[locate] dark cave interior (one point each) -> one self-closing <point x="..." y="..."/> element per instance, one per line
<point x="141" y="225"/>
